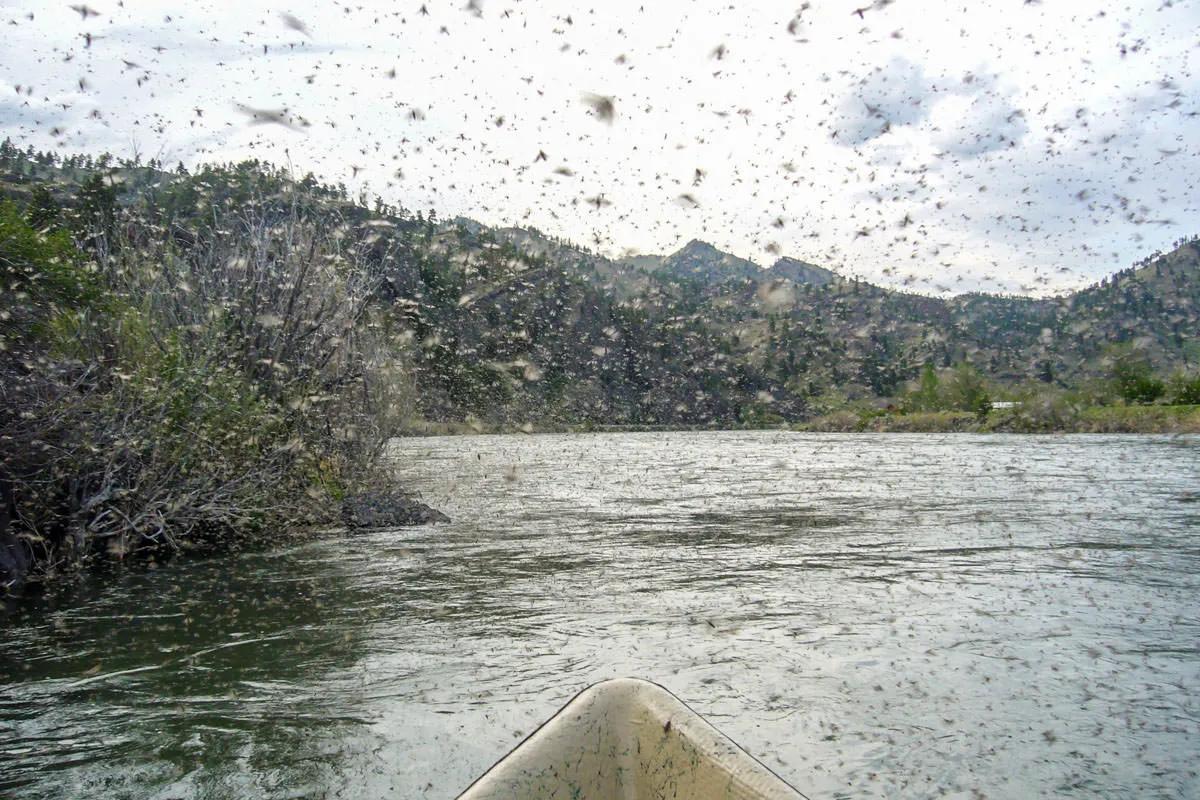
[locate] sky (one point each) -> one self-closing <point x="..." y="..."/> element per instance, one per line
<point x="1025" y="146"/>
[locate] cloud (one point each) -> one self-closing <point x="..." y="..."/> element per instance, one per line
<point x="887" y="97"/>
<point x="55" y="113"/>
<point x="966" y="117"/>
<point x="886" y="145"/>
<point x="981" y="121"/>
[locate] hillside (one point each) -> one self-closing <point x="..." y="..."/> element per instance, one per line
<point x="510" y="325"/>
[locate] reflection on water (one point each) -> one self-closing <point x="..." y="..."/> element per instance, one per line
<point x="873" y="616"/>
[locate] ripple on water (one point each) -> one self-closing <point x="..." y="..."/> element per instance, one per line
<point x="873" y="616"/>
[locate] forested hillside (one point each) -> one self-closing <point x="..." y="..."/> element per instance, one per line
<point x="192" y="358"/>
<point x="509" y="325"/>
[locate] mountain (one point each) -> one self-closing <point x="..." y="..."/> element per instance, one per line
<point x="801" y="272"/>
<point x="703" y="262"/>
<point x="513" y="325"/>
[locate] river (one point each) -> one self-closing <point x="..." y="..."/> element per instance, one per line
<point x="870" y="615"/>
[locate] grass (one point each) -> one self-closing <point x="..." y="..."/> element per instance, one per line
<point x="1140" y="419"/>
<point x="1046" y="419"/>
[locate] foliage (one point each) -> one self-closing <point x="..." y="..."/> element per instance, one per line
<point x="926" y="422"/>
<point x="1133" y="376"/>
<point x="41" y="275"/>
<point x="511" y="326"/>
<point x="1184" y="389"/>
<point x="44" y="210"/>
<point x="1140" y="419"/>
<point x="961" y="388"/>
<point x="965" y="390"/>
<point x="927" y="396"/>
<point x="166" y="391"/>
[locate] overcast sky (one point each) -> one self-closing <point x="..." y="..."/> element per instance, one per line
<point x="1005" y="145"/>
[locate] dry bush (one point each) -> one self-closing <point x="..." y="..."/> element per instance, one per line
<point x="225" y="383"/>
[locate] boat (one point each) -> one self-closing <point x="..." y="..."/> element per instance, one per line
<point x="628" y="739"/>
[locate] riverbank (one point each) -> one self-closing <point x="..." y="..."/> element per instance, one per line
<point x="1092" y="419"/>
<point x="137" y="422"/>
<point x="1050" y="419"/>
<point x="475" y="427"/>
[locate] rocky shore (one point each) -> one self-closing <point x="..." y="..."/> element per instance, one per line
<point x="373" y="510"/>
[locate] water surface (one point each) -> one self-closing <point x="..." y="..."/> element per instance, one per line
<point x="871" y="615"/>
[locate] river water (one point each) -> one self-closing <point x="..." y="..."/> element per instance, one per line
<point x="871" y="615"/>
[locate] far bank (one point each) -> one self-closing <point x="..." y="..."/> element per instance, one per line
<point x="1093" y="419"/>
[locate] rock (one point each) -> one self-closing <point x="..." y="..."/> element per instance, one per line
<point x="387" y="510"/>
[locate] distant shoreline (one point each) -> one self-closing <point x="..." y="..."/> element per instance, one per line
<point x="1094" y="419"/>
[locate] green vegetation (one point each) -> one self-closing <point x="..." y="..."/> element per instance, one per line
<point x="1184" y="389"/>
<point x="205" y="357"/>
<point x="960" y="389"/>
<point x="1130" y="399"/>
<point x="1037" y="411"/>
<point x="1133" y="376"/>
<point x="515" y="328"/>
<point x="1092" y="419"/>
<point x="162" y="391"/>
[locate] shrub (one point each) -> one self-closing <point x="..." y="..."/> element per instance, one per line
<point x="1184" y="389"/>
<point x="1133" y="377"/>
<point x="960" y="389"/>
<point x="965" y="390"/>
<point x="175" y="391"/>
<point x="41" y="275"/>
